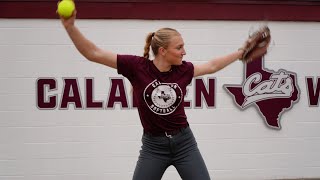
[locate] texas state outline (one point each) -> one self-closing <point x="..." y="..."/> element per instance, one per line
<point x="269" y="109"/>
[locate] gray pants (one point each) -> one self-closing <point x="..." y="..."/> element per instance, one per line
<point x="181" y="151"/>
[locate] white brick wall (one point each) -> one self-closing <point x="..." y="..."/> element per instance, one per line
<point x="104" y="144"/>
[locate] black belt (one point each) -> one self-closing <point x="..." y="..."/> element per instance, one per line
<point x="167" y="133"/>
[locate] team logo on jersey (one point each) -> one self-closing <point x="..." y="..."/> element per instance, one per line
<point x="162" y="98"/>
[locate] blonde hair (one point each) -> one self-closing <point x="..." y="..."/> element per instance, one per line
<point x="160" y="38"/>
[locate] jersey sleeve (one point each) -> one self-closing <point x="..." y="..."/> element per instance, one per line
<point x="126" y="65"/>
<point x="189" y="71"/>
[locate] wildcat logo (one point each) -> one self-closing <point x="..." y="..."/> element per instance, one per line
<point x="162" y="98"/>
<point x="271" y="92"/>
<point x="273" y="88"/>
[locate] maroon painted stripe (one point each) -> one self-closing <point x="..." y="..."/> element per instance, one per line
<point x="166" y="11"/>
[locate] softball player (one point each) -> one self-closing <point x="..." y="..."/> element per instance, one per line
<point x="159" y="87"/>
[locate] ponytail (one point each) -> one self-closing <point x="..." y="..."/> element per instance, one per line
<point x="160" y="38"/>
<point x="147" y="45"/>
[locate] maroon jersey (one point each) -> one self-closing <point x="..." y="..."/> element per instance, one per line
<point x="159" y="95"/>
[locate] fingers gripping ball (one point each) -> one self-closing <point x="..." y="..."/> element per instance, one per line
<point x="256" y="45"/>
<point x="66" y="8"/>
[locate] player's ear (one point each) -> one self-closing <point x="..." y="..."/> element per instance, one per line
<point x="162" y="51"/>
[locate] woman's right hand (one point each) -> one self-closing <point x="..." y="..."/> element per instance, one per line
<point x="68" y="22"/>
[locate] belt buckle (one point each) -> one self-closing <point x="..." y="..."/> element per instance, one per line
<point x="168" y="135"/>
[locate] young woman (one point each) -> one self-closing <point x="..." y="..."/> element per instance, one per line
<point x="159" y="86"/>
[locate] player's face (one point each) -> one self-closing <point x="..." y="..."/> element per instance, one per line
<point x="175" y="51"/>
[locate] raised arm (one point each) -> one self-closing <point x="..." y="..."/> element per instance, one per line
<point x="86" y="47"/>
<point x="216" y="64"/>
<point x="255" y="46"/>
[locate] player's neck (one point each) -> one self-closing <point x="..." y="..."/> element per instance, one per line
<point x="161" y="65"/>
